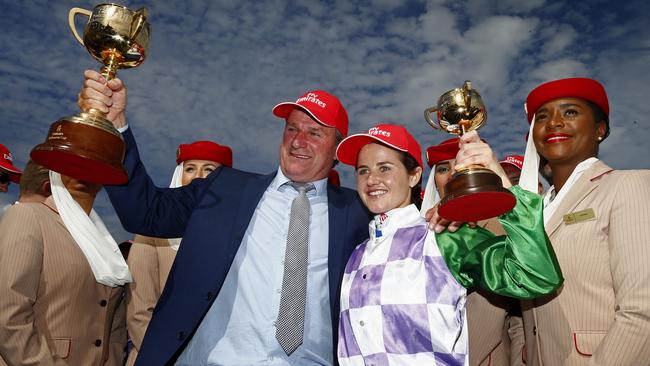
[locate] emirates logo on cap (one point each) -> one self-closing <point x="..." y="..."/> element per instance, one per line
<point x="375" y="131"/>
<point x="8" y="157"/>
<point x="513" y="159"/>
<point x="312" y="98"/>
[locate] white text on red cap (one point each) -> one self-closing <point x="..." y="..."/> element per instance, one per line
<point x="313" y="98"/>
<point x="8" y="157"/>
<point x="375" y="131"/>
<point x="512" y="159"/>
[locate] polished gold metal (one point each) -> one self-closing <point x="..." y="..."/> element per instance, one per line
<point x="115" y="36"/>
<point x="86" y="145"/>
<point x="458" y="111"/>
<point x="579" y="216"/>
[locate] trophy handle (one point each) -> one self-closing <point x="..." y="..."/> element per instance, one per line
<point x="427" y="117"/>
<point x="139" y="19"/>
<point x="73" y="28"/>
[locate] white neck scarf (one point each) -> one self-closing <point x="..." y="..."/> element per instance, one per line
<point x="92" y="237"/>
<point x="529" y="178"/>
<point x="553" y="199"/>
<point x="177" y="181"/>
<point x="431" y="196"/>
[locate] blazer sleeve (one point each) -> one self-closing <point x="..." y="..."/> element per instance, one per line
<point x="148" y="210"/>
<point x="21" y="261"/>
<point x="627" y="341"/>
<point x="515" y="324"/>
<point x="521" y="264"/>
<point x="144" y="291"/>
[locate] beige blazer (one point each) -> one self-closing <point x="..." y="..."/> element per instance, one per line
<point x="496" y="333"/>
<point x="601" y="315"/>
<point x="52" y="311"/>
<point x="150" y="261"/>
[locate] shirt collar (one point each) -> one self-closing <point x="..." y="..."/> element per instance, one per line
<point x="280" y="183"/>
<point x="387" y="223"/>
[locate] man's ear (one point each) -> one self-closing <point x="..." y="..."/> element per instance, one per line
<point x="46" y="189"/>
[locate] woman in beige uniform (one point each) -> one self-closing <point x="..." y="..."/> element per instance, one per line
<point x="61" y="282"/>
<point x="598" y="220"/>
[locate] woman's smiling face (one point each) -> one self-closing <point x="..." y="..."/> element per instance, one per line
<point x="383" y="183"/>
<point x="565" y="131"/>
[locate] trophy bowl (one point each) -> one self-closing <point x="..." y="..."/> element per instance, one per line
<point x="86" y="146"/>
<point x="458" y="111"/>
<point x="474" y="193"/>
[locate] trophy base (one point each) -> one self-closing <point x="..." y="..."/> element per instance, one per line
<point x="85" y="147"/>
<point x="474" y="195"/>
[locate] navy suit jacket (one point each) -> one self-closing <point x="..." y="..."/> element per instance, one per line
<point x="212" y="215"/>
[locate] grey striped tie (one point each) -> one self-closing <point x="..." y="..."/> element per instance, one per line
<point x="291" y="316"/>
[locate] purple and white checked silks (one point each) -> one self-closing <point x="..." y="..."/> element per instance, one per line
<point x="400" y="305"/>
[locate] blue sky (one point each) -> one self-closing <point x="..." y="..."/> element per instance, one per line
<point x="216" y="68"/>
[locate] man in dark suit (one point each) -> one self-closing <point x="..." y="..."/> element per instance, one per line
<point x="229" y="284"/>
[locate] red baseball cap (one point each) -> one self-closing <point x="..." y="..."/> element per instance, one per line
<point x="322" y="106"/>
<point x="516" y="160"/>
<point x="6" y="163"/>
<point x="393" y="136"/>
<point x="204" y="150"/>
<point x="583" y="88"/>
<point x="445" y="150"/>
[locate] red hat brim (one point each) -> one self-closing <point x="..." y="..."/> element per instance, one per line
<point x="582" y="88"/>
<point x="283" y="110"/>
<point x="14" y="173"/>
<point x="447" y="150"/>
<point x="348" y="149"/>
<point x="204" y="150"/>
<point x="504" y="163"/>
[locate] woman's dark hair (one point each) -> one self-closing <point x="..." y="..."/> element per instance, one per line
<point x="411" y="164"/>
<point x="599" y="115"/>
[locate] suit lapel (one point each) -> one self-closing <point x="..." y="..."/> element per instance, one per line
<point x="254" y="189"/>
<point x="337" y="216"/>
<point x="587" y="183"/>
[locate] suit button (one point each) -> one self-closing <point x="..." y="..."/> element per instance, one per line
<point x="535" y="330"/>
<point x="98" y="342"/>
<point x="103" y="303"/>
<point x="181" y="335"/>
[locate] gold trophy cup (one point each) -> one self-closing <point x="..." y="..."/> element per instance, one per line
<point x="474" y="193"/>
<point x="86" y="146"/>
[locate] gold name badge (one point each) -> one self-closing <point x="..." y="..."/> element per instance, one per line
<point x="579" y="216"/>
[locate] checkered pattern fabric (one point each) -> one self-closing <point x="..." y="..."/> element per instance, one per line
<point x="400" y="305"/>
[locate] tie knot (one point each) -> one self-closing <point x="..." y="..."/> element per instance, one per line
<point x="302" y="188"/>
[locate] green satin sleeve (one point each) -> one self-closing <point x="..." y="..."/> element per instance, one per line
<point x="521" y="264"/>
